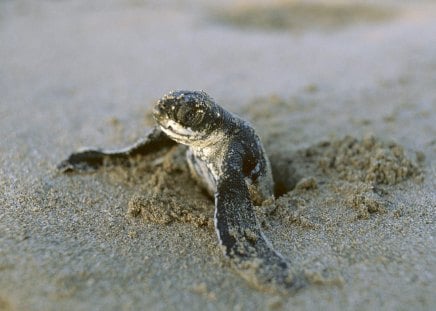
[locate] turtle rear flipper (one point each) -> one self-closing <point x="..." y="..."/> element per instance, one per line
<point x="92" y="159"/>
<point x="250" y="252"/>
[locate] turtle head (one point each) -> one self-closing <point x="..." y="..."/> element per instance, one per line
<point x="188" y="116"/>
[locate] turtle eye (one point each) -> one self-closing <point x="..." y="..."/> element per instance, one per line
<point x="189" y="116"/>
<point x="197" y="119"/>
<point x="184" y="114"/>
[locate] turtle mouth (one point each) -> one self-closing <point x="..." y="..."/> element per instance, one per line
<point x="178" y="129"/>
<point x="174" y="129"/>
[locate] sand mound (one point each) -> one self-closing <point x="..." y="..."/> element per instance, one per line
<point x="354" y="169"/>
<point x="368" y="160"/>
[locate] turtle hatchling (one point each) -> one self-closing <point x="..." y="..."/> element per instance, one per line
<point x="227" y="157"/>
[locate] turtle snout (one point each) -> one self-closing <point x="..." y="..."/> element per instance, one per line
<point x="160" y="110"/>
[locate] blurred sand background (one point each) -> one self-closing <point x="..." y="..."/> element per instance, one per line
<point x="356" y="215"/>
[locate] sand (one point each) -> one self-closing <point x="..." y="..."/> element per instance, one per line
<point x="346" y="113"/>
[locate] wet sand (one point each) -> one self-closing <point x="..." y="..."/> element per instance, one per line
<point x="346" y="113"/>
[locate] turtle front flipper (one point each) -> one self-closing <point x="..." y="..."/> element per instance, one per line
<point x="239" y="233"/>
<point x="92" y="159"/>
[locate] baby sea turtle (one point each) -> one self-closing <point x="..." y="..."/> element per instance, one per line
<point x="227" y="157"/>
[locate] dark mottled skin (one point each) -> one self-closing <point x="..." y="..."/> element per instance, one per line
<point x="227" y="158"/>
<point x="91" y="159"/>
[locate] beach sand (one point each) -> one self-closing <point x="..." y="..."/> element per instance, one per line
<point x="346" y="109"/>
